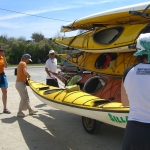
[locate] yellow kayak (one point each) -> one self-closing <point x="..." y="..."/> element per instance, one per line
<point x="116" y="38"/>
<point x="72" y="100"/>
<point x="104" y="63"/>
<point x="129" y="15"/>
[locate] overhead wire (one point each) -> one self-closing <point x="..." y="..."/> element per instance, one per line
<point x="32" y="15"/>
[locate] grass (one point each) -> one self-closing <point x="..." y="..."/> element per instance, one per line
<point x="27" y="65"/>
<point x="9" y="65"/>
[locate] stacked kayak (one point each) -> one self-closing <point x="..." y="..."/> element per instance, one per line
<point x="104" y="63"/>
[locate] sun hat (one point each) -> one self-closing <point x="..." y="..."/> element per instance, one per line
<point x="27" y="56"/>
<point x="51" y="51"/>
<point x="143" y="45"/>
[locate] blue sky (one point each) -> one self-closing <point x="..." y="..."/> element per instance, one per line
<point x="61" y="11"/>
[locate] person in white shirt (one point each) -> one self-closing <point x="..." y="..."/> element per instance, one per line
<point x="51" y="68"/>
<point x="135" y="92"/>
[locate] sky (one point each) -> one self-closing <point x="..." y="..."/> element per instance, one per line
<point x="47" y="16"/>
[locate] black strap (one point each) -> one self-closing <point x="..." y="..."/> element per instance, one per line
<point x="15" y="71"/>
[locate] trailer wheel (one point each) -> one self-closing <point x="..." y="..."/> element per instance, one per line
<point x="91" y="126"/>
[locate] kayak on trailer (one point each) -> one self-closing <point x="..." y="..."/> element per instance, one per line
<point x="72" y="100"/>
<point x="103" y="86"/>
<point x="133" y="14"/>
<point x="104" y="63"/>
<point x="116" y="38"/>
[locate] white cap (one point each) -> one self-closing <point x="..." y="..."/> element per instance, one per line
<point x="51" y="51"/>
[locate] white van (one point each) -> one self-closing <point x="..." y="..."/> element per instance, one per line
<point x="68" y="67"/>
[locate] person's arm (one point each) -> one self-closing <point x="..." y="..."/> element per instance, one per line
<point x="60" y="67"/>
<point x="124" y="96"/>
<point x="48" y="72"/>
<point x="26" y="73"/>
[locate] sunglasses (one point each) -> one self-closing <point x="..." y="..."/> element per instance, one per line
<point x="1" y="50"/>
<point x="52" y="54"/>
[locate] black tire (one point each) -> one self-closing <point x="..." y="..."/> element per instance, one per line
<point x="91" y="126"/>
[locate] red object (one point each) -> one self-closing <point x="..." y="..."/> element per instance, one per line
<point x="108" y="60"/>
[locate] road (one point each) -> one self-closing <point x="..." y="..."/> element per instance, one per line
<point x="50" y="129"/>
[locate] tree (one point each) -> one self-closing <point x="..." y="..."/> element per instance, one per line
<point x="37" y="48"/>
<point x="21" y="38"/>
<point x="3" y="38"/>
<point x="37" y="37"/>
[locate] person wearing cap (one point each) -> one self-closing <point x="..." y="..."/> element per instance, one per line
<point x="3" y="80"/>
<point x="22" y="75"/>
<point x="51" y="68"/>
<point x="135" y="92"/>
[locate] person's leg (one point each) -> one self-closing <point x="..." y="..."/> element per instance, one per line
<point x="25" y="102"/>
<point x="4" y="94"/>
<point x="55" y="83"/>
<point x="4" y="97"/>
<point x="52" y="82"/>
<point x="48" y="82"/>
<point x="136" y="136"/>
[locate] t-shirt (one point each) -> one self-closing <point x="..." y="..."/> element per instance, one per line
<point x="21" y="77"/>
<point x="137" y="86"/>
<point x="51" y="65"/>
<point x="1" y="64"/>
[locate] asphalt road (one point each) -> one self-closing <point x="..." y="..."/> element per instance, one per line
<point x="50" y="129"/>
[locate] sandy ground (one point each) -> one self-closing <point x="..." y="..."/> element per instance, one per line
<point x="50" y="129"/>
